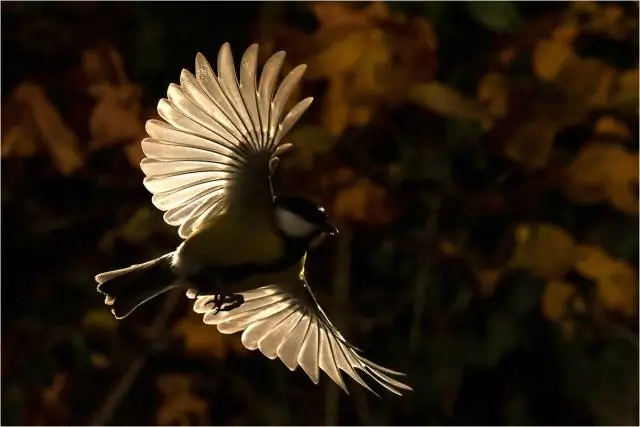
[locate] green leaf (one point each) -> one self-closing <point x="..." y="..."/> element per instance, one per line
<point x="498" y="16"/>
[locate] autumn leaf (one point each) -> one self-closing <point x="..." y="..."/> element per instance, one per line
<point x="602" y="172"/>
<point x="447" y="101"/>
<point x="368" y="57"/>
<point x="20" y="141"/>
<point x="609" y="125"/>
<point x="589" y="82"/>
<point x="499" y="16"/>
<point x="625" y="95"/>
<point x="203" y="340"/>
<point x="343" y="14"/>
<point x="489" y="279"/>
<point x="116" y="116"/>
<point x="99" y="319"/>
<point x="558" y="301"/>
<point x="57" y="135"/>
<point x="609" y="19"/>
<point x="617" y="285"/>
<point x="308" y="143"/>
<point x="364" y="202"/>
<point x="144" y="222"/>
<point x="180" y="405"/>
<point x="550" y="57"/>
<point x="544" y="249"/>
<point x="493" y="94"/>
<point x="531" y="145"/>
<point x="335" y="107"/>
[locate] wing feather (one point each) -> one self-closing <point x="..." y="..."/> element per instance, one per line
<point x="218" y="141"/>
<point x="286" y="322"/>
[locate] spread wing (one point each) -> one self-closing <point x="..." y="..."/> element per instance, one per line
<point x="286" y="321"/>
<point x="218" y="144"/>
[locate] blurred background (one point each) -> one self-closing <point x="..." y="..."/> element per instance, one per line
<point x="481" y="160"/>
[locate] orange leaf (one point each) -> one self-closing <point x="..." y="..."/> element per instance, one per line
<point x="201" y="339"/>
<point x="364" y="202"/>
<point x="617" y="284"/>
<point x="58" y="136"/>
<point x="180" y="405"/>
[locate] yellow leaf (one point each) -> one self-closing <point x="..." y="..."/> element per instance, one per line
<point x="493" y="93"/>
<point x="99" y="360"/>
<point x="617" y="284"/>
<point x="339" y="57"/>
<point x="608" y="125"/>
<point x="99" y="319"/>
<point x="20" y="141"/>
<point x="364" y="202"/>
<point x="585" y="6"/>
<point x="559" y="301"/>
<point x="204" y="340"/>
<point x="627" y="89"/>
<point x="589" y="82"/>
<point x="340" y="14"/>
<point x="488" y="281"/>
<point x="51" y="394"/>
<point x="372" y="71"/>
<point x="335" y="107"/>
<point x="447" y="101"/>
<point x="550" y="57"/>
<point x="532" y="143"/>
<point x="604" y="172"/>
<point x="448" y="248"/>
<point x="566" y="33"/>
<point x="180" y="405"/>
<point x="57" y="135"/>
<point x="134" y="153"/>
<point x="330" y="182"/>
<point x="545" y="250"/>
<point x="623" y="198"/>
<point x="116" y="118"/>
<point x="309" y="143"/>
<point x="554" y="301"/>
<point x="610" y="19"/>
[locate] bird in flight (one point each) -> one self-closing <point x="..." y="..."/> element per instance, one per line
<point x="209" y="164"/>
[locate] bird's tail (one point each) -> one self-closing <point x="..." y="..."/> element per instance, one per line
<point x="128" y="288"/>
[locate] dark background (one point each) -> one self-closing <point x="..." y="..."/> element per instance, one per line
<point x="480" y="158"/>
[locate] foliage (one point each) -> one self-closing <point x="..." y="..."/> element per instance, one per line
<point x="481" y="159"/>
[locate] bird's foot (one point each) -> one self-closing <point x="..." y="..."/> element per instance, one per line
<point x="226" y="302"/>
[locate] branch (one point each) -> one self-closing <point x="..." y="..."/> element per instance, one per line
<point x="112" y="402"/>
<point x="341" y="286"/>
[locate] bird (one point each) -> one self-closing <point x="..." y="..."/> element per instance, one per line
<point x="209" y="165"/>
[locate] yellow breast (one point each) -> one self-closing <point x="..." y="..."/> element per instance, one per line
<point x="234" y="239"/>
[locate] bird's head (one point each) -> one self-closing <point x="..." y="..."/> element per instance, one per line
<point x="300" y="218"/>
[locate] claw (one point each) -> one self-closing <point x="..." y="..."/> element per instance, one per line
<point x="226" y="302"/>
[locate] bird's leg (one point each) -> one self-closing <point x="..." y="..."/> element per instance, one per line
<point x="204" y="282"/>
<point x="226" y="302"/>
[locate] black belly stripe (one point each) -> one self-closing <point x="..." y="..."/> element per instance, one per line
<point x="230" y="275"/>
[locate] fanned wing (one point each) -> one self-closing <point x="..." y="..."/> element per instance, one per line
<point x="220" y="138"/>
<point x="285" y="321"/>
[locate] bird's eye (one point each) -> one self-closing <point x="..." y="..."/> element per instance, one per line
<point x="321" y="209"/>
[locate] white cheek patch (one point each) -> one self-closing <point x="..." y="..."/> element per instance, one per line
<point x="293" y="225"/>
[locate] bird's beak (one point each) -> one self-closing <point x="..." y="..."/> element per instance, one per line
<point x="331" y="229"/>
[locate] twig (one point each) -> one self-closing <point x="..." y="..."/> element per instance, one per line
<point x="341" y="287"/>
<point x="420" y="291"/>
<point x="111" y="403"/>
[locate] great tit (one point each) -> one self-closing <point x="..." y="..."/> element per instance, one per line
<point x="209" y="166"/>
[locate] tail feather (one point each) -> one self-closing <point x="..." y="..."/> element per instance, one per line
<point x="128" y="288"/>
